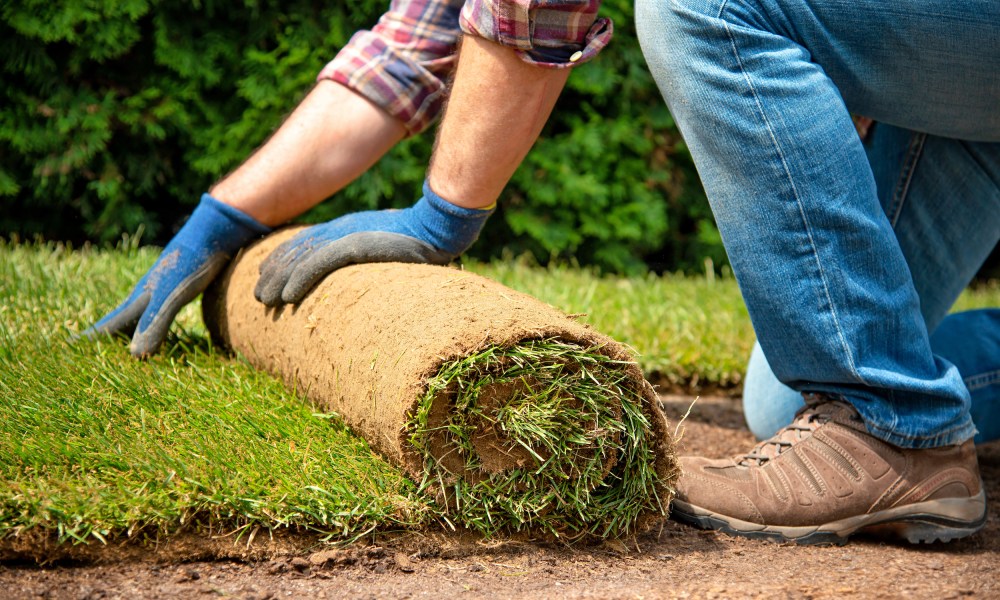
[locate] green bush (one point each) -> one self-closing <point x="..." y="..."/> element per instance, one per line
<point x="116" y="115"/>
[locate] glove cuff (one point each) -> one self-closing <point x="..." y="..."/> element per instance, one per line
<point x="447" y="226"/>
<point x="223" y="227"/>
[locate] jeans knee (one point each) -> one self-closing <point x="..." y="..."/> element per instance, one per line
<point x="677" y="12"/>
<point x="690" y="18"/>
<point x="656" y="19"/>
<point x="668" y="16"/>
<point x="647" y="19"/>
<point x="677" y="38"/>
<point x="664" y="30"/>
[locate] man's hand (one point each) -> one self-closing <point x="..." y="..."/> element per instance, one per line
<point x="431" y="231"/>
<point x="184" y="269"/>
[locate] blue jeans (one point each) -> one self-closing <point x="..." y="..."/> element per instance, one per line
<point x="841" y="300"/>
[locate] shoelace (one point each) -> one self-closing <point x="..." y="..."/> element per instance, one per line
<point x="785" y="438"/>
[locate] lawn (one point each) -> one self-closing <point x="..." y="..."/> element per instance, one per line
<point x="94" y="444"/>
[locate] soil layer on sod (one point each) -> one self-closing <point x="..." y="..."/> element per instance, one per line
<point x="513" y="415"/>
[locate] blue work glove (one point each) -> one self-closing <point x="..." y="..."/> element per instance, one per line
<point x="431" y="231"/>
<point x="184" y="269"/>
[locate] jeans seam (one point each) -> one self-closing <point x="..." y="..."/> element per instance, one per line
<point x="913" y="153"/>
<point x="891" y="435"/>
<point x="718" y="15"/>
<point x="982" y="380"/>
<point x="892" y="403"/>
<point x="798" y="200"/>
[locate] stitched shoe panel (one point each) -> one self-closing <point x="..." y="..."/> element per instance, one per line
<point x="824" y="477"/>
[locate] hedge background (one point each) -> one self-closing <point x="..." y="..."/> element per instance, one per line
<point x="116" y="114"/>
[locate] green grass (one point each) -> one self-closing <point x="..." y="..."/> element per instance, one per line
<point x="95" y="444"/>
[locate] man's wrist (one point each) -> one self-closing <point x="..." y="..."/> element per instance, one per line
<point x="236" y="215"/>
<point x="452" y="195"/>
<point x="446" y="225"/>
<point x="222" y="226"/>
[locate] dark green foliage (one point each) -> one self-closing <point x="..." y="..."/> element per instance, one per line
<point x="116" y="115"/>
<point x="611" y="182"/>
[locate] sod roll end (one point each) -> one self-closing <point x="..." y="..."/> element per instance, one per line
<point x="506" y="411"/>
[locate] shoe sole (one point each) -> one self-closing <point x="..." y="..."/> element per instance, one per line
<point x="924" y="522"/>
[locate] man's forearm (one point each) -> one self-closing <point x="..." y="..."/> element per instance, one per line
<point x="498" y="106"/>
<point x="333" y="136"/>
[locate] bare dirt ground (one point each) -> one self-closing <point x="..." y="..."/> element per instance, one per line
<point x="669" y="561"/>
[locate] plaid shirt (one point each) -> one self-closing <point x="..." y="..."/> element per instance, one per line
<point x="402" y="64"/>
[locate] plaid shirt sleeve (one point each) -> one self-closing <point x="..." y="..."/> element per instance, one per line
<point x="548" y="33"/>
<point x="403" y="63"/>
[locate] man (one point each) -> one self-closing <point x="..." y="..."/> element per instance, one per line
<point x="847" y="255"/>
<point x="854" y="338"/>
<point x="385" y="84"/>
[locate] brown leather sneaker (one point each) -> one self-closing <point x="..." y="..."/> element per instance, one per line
<point x="824" y="477"/>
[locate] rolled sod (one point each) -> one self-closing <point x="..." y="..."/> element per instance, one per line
<point x="507" y="412"/>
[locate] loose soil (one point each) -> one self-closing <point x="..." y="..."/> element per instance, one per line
<point x="671" y="560"/>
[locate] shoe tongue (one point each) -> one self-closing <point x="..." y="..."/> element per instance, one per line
<point x="777" y="444"/>
<point x="835" y="410"/>
<point x="806" y="422"/>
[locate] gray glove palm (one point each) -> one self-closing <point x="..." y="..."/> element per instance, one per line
<point x="431" y="231"/>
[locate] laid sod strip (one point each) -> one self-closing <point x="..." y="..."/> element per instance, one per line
<point x="583" y="456"/>
<point x="524" y="418"/>
<point x="95" y="445"/>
